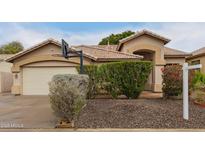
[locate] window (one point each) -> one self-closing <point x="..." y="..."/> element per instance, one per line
<point x="170" y="64"/>
<point x="196" y="62"/>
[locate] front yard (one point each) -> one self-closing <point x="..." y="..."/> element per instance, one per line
<point x="35" y="112"/>
<point x="140" y="113"/>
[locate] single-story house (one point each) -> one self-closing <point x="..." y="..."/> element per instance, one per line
<point x="33" y="68"/>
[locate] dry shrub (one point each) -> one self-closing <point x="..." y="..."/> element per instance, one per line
<point x="68" y="95"/>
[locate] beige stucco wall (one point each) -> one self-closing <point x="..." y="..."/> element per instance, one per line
<point x="51" y="64"/>
<point x="46" y="56"/>
<point x="202" y="61"/>
<point x="5" y="76"/>
<point x="49" y="49"/>
<point x="154" y="46"/>
<point x="144" y="39"/>
<point x="146" y="42"/>
<point x="5" y="82"/>
<point x="171" y="60"/>
<point x="5" y="66"/>
<point x="49" y="52"/>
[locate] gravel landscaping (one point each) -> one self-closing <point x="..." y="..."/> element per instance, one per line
<point x="140" y="113"/>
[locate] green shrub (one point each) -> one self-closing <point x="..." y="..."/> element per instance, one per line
<point x="172" y="80"/>
<point x="198" y="80"/>
<point x="92" y="72"/>
<point x="109" y="78"/>
<point x="198" y="95"/>
<point x="127" y="78"/>
<point x="67" y="95"/>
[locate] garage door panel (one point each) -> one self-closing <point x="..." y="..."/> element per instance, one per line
<point x="36" y="79"/>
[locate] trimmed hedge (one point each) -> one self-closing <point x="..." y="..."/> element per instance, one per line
<point x="118" y="78"/>
<point x="127" y="78"/>
<point x="92" y="72"/>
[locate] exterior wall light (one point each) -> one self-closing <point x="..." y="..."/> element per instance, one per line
<point x="16" y="76"/>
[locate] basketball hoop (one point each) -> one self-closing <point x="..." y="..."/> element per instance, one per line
<point x="65" y="49"/>
<point x="68" y="53"/>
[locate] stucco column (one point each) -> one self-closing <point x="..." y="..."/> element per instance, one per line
<point x="15" y="89"/>
<point x="159" y="63"/>
<point x="157" y="75"/>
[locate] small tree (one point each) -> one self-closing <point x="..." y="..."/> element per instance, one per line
<point x="114" y="38"/>
<point x="11" y="48"/>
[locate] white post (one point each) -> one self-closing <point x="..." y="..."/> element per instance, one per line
<point x="186" y="88"/>
<point x="185" y="92"/>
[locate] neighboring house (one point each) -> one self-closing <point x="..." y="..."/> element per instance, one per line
<point x="33" y="68"/>
<point x="198" y="57"/>
<point x="5" y="66"/>
<point x="6" y="80"/>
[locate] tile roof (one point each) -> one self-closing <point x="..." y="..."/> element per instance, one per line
<point x="197" y="53"/>
<point x="167" y="51"/>
<point x="95" y="53"/>
<point x="107" y="47"/>
<point x="174" y="52"/>
<point x="102" y="54"/>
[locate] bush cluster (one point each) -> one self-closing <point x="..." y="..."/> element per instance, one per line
<point x="127" y="78"/>
<point x="67" y="95"/>
<point x="172" y="80"/>
<point x="198" y="80"/>
<point x="198" y="87"/>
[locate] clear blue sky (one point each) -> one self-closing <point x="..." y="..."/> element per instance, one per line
<point x="184" y="36"/>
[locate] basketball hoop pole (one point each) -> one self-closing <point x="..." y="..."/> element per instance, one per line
<point x="67" y="53"/>
<point x="81" y="62"/>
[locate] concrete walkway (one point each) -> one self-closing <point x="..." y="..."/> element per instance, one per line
<point x="102" y="130"/>
<point x="150" y="95"/>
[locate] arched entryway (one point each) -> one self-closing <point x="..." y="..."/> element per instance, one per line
<point x="148" y="56"/>
<point x="151" y="46"/>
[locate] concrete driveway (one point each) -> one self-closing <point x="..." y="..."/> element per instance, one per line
<point x="26" y="112"/>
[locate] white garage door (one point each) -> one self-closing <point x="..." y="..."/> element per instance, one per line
<point x="36" y="79"/>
